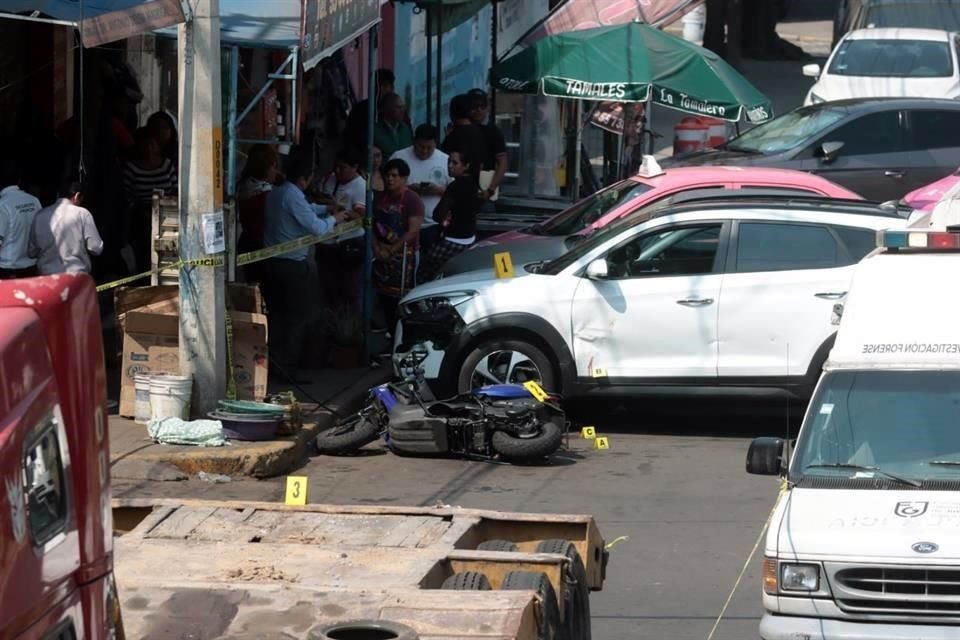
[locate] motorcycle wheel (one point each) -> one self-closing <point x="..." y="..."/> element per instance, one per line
<point x="355" y="432"/>
<point x="513" y="449"/>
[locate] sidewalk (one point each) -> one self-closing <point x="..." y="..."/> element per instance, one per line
<point x="133" y="456"/>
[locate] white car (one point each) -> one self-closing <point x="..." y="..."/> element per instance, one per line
<point x="722" y="292"/>
<point x="888" y="63"/>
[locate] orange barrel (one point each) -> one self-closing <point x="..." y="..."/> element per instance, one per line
<point x="717" y="131"/>
<point x="689" y="135"/>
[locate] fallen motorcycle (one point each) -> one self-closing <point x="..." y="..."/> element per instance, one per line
<point x="510" y="422"/>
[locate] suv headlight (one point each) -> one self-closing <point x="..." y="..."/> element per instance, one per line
<point x="799" y="577"/>
<point x="431" y="305"/>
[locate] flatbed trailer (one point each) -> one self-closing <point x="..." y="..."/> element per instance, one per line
<point x="207" y="569"/>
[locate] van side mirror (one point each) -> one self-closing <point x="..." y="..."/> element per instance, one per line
<point x="811" y="70"/>
<point x="597" y="270"/>
<point x="828" y="151"/>
<point x="765" y="457"/>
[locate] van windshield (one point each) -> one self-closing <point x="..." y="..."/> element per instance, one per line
<point x="871" y="424"/>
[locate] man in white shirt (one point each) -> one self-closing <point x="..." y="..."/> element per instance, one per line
<point x="17" y="211"/>
<point x="429" y="175"/>
<point x="65" y="235"/>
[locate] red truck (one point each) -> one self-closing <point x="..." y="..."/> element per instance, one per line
<point x="207" y="569"/>
<point x="56" y="542"/>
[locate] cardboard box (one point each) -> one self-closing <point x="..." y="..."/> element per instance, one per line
<point x="148" y="317"/>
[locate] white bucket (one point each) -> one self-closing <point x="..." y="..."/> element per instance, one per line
<point x="170" y="396"/>
<point x="141" y="410"/>
<point x="694" y="24"/>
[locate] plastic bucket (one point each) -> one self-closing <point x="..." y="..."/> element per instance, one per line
<point x="694" y="24"/>
<point x="689" y="135"/>
<point x="170" y="397"/>
<point x="141" y="409"/>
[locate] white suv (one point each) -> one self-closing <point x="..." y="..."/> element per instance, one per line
<point x="718" y="293"/>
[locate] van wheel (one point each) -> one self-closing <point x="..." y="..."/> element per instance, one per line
<point x="506" y="362"/>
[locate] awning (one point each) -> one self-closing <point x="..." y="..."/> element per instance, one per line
<point x="103" y="20"/>
<point x="267" y="24"/>
<point x="330" y="24"/>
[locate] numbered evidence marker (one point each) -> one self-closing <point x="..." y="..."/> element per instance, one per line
<point x="601" y="442"/>
<point x="503" y="265"/>
<point x="599" y="372"/>
<point x="296" y="490"/>
<point x="536" y="391"/>
<point x="588" y="433"/>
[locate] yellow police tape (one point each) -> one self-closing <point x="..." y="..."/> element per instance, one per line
<point x="219" y="259"/>
<point x="746" y="564"/>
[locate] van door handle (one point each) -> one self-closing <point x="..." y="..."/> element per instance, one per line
<point x="833" y="295"/>
<point x="696" y="302"/>
<point x="893" y="174"/>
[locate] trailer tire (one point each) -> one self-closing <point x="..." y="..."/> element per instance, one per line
<point x="498" y="545"/>
<point x="382" y="629"/>
<point x="354" y="433"/>
<point x="523" y="450"/>
<point x="552" y="628"/>
<point x="467" y="581"/>
<point x="577" y="594"/>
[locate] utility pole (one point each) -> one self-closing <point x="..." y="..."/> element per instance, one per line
<point x="202" y="309"/>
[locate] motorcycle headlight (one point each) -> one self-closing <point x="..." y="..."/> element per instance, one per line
<point x="799" y="577"/>
<point x="432" y="305"/>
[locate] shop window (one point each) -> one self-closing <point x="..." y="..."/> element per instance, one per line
<point x="44" y="483"/>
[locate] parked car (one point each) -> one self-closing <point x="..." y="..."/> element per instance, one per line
<point x="888" y="63"/>
<point x="881" y="148"/>
<point x="918" y="14"/>
<point x="634" y="196"/>
<point x="707" y="294"/>
<point x="926" y="198"/>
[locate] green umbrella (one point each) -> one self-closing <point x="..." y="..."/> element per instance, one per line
<point x="633" y="62"/>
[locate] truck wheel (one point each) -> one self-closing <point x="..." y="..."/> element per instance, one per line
<point x="577" y="593"/>
<point x="353" y="433"/>
<point x="533" y="449"/>
<point x="506" y="362"/>
<point x="384" y="629"/>
<point x="538" y="582"/>
<point x="467" y="581"/>
<point x="498" y="545"/>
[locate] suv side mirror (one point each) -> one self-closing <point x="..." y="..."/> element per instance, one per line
<point x="811" y="70"/>
<point x="765" y="457"/>
<point x="828" y="151"/>
<point x="597" y="270"/>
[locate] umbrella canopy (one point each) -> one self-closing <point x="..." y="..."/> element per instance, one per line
<point x="633" y="62"/>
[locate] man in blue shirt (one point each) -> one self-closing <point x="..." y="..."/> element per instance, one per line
<point x="291" y="286"/>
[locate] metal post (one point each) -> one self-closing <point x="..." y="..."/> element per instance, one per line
<point x="574" y="181"/>
<point x="367" y="287"/>
<point x="439" y="13"/>
<point x="429" y="66"/>
<point x="648" y="114"/>
<point x="735" y="33"/>
<point x="493" y="56"/>
<point x="232" y="121"/>
<point x="202" y="330"/>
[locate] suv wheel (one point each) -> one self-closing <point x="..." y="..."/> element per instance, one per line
<point x="506" y="362"/>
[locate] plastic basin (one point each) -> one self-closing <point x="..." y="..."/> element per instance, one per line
<point x="251" y="427"/>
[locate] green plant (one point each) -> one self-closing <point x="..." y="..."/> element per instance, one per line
<point x="344" y="326"/>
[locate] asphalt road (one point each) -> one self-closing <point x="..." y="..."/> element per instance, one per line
<point x="673" y="482"/>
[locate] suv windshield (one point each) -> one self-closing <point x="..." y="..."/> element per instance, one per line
<point x="786" y="132"/>
<point x="590" y="209"/>
<point x="925" y="14"/>
<point x="882" y="424"/>
<point x="892" y="58"/>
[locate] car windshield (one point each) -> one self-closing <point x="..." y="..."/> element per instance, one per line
<point x="926" y="14"/>
<point x="882" y="424"/>
<point x="892" y="58"/>
<point x="786" y="132"/>
<point x="587" y="243"/>
<point x="590" y="209"/>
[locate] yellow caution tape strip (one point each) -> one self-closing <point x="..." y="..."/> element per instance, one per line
<point x="251" y="257"/>
<point x="746" y="565"/>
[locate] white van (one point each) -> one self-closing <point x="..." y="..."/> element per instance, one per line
<point x="864" y="542"/>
